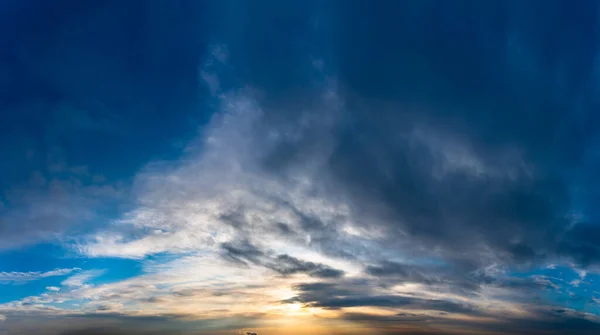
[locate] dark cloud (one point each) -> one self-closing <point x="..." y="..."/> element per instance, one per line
<point x="286" y="265"/>
<point x="550" y="321"/>
<point x="451" y="278"/>
<point x="242" y="253"/>
<point x="400" y="317"/>
<point x="542" y="322"/>
<point x="403" y="272"/>
<point x="460" y="134"/>
<point x="394" y="179"/>
<point x="431" y="315"/>
<point x="246" y="253"/>
<point x="331" y="296"/>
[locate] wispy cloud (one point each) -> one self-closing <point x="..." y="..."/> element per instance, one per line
<point x="17" y="277"/>
<point x="82" y="278"/>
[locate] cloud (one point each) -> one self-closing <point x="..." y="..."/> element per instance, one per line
<point x="19" y="277"/>
<point x="82" y="278"/>
<point x="202" y="215"/>
<point x="433" y="170"/>
<point x="53" y="288"/>
<point x="332" y="296"/>
<point x="283" y="264"/>
<point x="400" y="204"/>
<point x="539" y="321"/>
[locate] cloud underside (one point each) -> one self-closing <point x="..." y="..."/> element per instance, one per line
<point x="394" y="191"/>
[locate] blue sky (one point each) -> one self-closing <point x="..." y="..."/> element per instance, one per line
<point x="322" y="167"/>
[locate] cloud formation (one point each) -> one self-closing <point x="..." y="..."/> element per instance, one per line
<point x="414" y="167"/>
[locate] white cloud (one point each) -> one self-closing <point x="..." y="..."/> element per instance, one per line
<point x="15" y="277"/>
<point x="82" y="278"/>
<point x="182" y="209"/>
<point x="53" y="288"/>
<point x="198" y="286"/>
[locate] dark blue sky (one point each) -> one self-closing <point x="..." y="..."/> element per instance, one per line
<point x="228" y="166"/>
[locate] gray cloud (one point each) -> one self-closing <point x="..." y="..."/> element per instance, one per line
<point x="330" y="296"/>
<point x="455" y="166"/>
<point x="543" y="321"/>
<point x="283" y="264"/>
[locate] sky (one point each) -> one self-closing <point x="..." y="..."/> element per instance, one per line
<point x="329" y="167"/>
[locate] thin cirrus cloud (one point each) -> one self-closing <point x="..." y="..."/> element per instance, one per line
<point x="19" y="277"/>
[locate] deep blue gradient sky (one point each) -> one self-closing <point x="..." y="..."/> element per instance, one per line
<point x="296" y="167"/>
